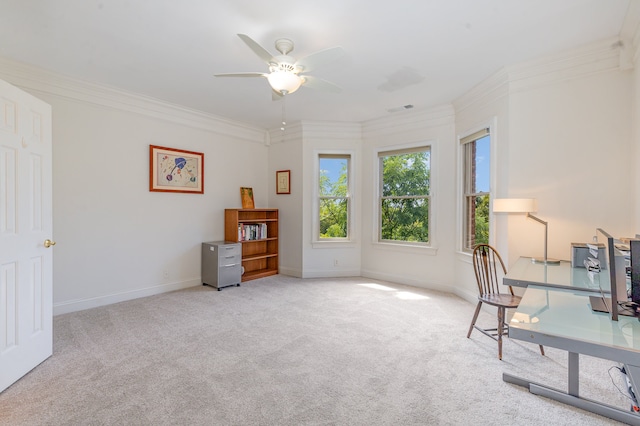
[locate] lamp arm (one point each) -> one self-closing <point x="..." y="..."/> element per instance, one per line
<point x="546" y="227"/>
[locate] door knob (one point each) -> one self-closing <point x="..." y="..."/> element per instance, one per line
<point x="48" y="243"/>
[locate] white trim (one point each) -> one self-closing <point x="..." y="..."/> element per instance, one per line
<point x="108" y="299"/>
<point x="432" y="194"/>
<point x="316" y="242"/>
<point x="326" y="273"/>
<point x="40" y="81"/>
<point x="492" y="125"/>
<point x="406" y="280"/>
<point x="595" y="58"/>
<point x="402" y="247"/>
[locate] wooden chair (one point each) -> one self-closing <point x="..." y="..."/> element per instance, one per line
<point x="485" y="263"/>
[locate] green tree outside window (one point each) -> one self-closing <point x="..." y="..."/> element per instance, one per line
<point x="405" y="195"/>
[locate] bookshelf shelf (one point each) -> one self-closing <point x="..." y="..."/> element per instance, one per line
<point x="257" y="231"/>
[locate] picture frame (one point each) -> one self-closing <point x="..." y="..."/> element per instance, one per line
<point x="175" y="170"/>
<point x="246" y="195"/>
<point x="283" y="182"/>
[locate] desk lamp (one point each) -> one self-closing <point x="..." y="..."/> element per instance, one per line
<point x="525" y="205"/>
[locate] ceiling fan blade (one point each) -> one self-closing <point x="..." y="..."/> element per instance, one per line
<point x="320" y="58"/>
<point x="242" y="74"/>
<point x="319" y="84"/>
<point x="257" y="49"/>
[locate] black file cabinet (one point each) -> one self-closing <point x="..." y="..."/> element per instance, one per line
<point x="221" y="264"/>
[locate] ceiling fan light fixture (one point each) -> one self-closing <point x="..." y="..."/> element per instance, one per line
<point x="284" y="82"/>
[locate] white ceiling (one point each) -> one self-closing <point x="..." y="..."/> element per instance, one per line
<point x="398" y="52"/>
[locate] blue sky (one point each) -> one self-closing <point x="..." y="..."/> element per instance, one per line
<point x="332" y="166"/>
<point x="483" y="165"/>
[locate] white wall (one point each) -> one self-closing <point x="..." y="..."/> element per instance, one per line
<point x="115" y="239"/>
<point x="570" y="147"/>
<point x="319" y="258"/>
<point x="568" y="144"/>
<point x="285" y="153"/>
<point x="485" y="106"/>
<point x="431" y="267"/>
<point x="635" y="119"/>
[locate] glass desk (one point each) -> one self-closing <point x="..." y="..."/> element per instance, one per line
<point x="524" y="273"/>
<point x="563" y="319"/>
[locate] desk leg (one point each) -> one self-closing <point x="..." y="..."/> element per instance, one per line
<point x="602" y="409"/>
<point x="574" y="374"/>
<point x="633" y="373"/>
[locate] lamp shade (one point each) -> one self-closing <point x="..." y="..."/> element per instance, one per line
<point x="515" y="205"/>
<point x="284" y="82"/>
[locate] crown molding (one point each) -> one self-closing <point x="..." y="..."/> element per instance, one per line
<point x="630" y="36"/>
<point x="489" y="90"/>
<point x="603" y="56"/>
<point x="38" y="80"/>
<point x="408" y="121"/>
<point x="596" y="58"/>
<point x="334" y="130"/>
<point x="292" y="132"/>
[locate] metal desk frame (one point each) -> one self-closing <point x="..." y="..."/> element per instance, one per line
<point x="576" y="334"/>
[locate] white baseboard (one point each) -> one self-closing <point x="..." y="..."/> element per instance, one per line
<point x="290" y="272"/>
<point x="331" y="273"/>
<point x="94" y="302"/>
<point x="393" y="278"/>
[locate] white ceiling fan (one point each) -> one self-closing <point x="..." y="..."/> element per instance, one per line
<point x="285" y="74"/>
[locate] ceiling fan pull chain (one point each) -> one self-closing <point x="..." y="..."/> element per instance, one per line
<point x="284" y="112"/>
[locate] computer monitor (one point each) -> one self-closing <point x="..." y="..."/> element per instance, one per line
<point x="616" y="271"/>
<point x="634" y="266"/>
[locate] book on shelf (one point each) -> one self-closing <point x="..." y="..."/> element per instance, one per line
<point x="252" y="231"/>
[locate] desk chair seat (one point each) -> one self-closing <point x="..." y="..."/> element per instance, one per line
<point x="486" y="261"/>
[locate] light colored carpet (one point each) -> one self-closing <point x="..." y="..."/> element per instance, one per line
<point x="287" y="351"/>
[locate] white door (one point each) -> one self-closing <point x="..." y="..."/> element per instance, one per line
<point x="26" y="295"/>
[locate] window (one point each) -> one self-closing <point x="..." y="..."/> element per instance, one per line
<point x="405" y="195"/>
<point x="476" y="169"/>
<point x="334" y="196"/>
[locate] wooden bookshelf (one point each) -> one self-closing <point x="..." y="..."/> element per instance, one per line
<point x="259" y="251"/>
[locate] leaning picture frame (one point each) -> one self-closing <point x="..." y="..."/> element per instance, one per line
<point x="246" y="196"/>
<point x="283" y="182"/>
<point x="175" y="170"/>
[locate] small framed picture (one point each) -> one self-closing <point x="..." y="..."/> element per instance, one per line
<point x="175" y="170"/>
<point x="246" y="195"/>
<point x="283" y="182"/>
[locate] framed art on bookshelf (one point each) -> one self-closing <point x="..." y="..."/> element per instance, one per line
<point x="283" y="182"/>
<point x="175" y="170"/>
<point x="246" y="195"/>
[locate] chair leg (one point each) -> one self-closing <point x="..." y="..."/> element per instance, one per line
<point x="541" y="350"/>
<point x="475" y="317"/>
<point x="500" y="329"/>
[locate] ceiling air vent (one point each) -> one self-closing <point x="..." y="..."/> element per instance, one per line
<point x="400" y="108"/>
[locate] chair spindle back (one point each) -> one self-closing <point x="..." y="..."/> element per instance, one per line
<point x="485" y="263"/>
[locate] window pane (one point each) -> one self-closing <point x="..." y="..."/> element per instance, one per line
<point x="333" y="176"/>
<point x="482" y="164"/>
<point x="333" y="218"/>
<point x="406" y="174"/>
<point x="477" y="208"/>
<point x="405" y="219"/>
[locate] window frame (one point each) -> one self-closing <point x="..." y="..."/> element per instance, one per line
<point x="398" y="150"/>
<point x="349" y="239"/>
<point x="466" y="164"/>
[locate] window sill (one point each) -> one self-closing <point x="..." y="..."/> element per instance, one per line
<point x="464" y="256"/>
<point x="406" y="248"/>
<point x="333" y="244"/>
